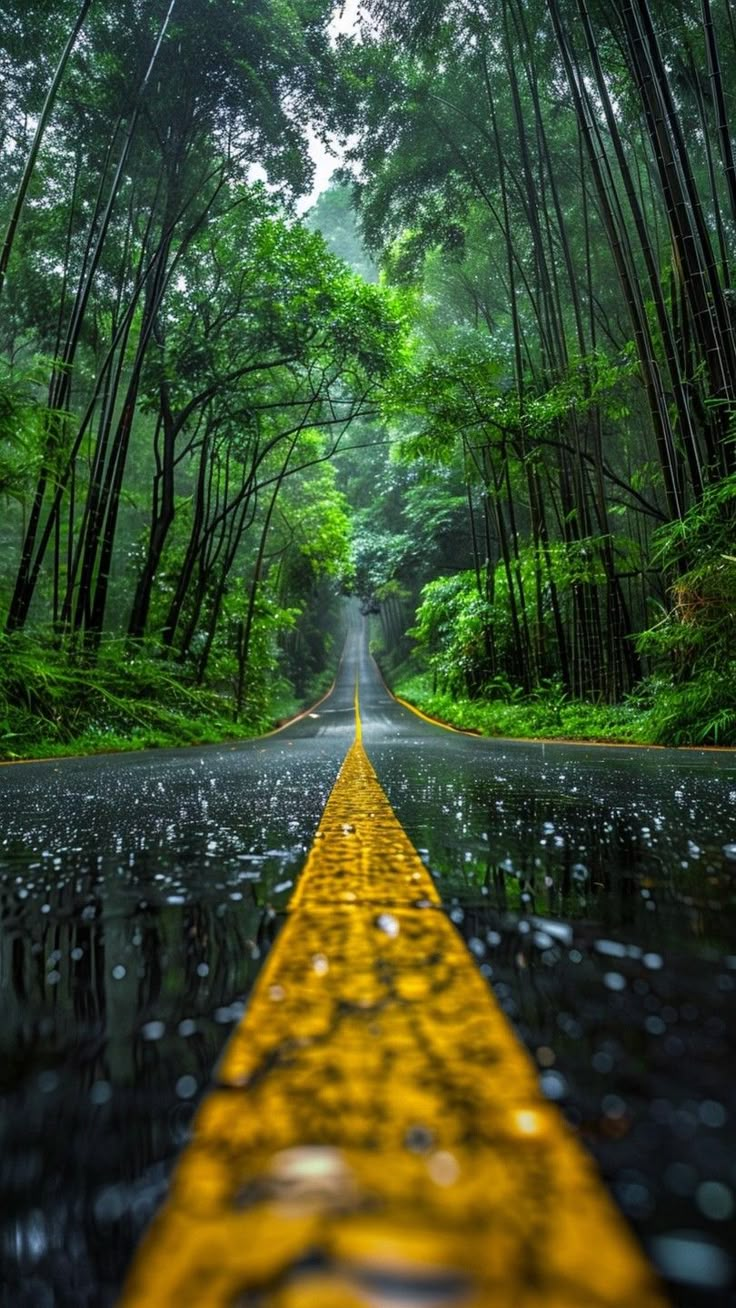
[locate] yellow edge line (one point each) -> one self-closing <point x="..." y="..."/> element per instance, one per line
<point x="298" y="717"/>
<point x="375" y="1115"/>
<point x="434" y="722"/>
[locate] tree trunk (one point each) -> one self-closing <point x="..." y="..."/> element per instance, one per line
<point x="42" y="124"/>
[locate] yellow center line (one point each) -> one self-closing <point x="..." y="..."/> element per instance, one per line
<point x="376" y="1131"/>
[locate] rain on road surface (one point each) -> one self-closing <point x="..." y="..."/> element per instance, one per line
<point x="140" y="895"/>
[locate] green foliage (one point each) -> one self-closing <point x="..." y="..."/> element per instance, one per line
<point x="409" y="521"/>
<point x="451" y="631"/>
<point x="693" y="645"/>
<point x="548" y="714"/>
<point x="467" y="638"/>
<point x="203" y="355"/>
<point x="334" y="216"/>
<point x="53" y="703"/>
<point x="266" y="682"/>
<point x="379" y="556"/>
<point x="21" y="423"/>
<point x="698" y="711"/>
<point x="316" y="518"/>
<point x="311" y="650"/>
<point x="699" y="551"/>
<point x="463" y="396"/>
<point x="267" y="347"/>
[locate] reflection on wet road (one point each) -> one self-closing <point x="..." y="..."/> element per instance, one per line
<point x="375" y="1130"/>
<point x="140" y="895"/>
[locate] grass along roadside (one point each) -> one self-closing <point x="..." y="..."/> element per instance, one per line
<point x="656" y="716"/>
<point x="546" y="716"/>
<point x="54" y="706"/>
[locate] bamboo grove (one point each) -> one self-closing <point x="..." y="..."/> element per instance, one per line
<point x="558" y="178"/>
<point x="197" y="392"/>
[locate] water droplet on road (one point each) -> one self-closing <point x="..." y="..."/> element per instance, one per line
<point x="389" y="924"/>
<point x="186" y="1087"/>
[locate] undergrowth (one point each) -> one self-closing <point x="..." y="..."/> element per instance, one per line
<point x="697" y="711"/>
<point x="547" y="715"/>
<point x="53" y="702"/>
<point x="691" y="714"/>
<point x="692" y="647"/>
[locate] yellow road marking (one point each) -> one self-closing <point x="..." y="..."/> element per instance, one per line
<point x="435" y="722"/>
<point x="304" y="713"/>
<point x="375" y="1130"/>
<point x="405" y="703"/>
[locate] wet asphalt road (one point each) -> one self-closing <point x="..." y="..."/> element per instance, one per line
<point x="139" y="895"/>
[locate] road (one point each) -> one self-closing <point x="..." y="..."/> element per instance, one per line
<point x="141" y="894"/>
